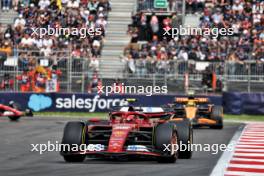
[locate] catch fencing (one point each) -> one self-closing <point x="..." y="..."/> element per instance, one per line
<point x="76" y="73"/>
<point x="246" y="76"/>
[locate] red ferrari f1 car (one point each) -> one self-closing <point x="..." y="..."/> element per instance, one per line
<point x="129" y="132"/>
<point x="13" y="112"/>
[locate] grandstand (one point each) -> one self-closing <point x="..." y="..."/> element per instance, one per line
<point x="132" y="46"/>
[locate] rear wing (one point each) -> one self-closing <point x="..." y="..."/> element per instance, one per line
<point x="196" y="100"/>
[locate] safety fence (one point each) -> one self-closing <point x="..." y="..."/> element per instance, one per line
<point x="246" y="76"/>
<point x="232" y="102"/>
<point x="28" y="62"/>
<point x="77" y="75"/>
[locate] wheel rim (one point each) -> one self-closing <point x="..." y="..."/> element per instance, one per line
<point x="191" y="136"/>
<point x="174" y="142"/>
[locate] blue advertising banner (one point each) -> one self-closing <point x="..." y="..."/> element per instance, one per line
<point x="57" y="102"/>
<point x="243" y="103"/>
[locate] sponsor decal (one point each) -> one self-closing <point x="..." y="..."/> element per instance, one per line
<point x="138" y="148"/>
<point x="8" y="113"/>
<point x="119" y="133"/>
<point x="95" y="147"/>
<point x="121" y="127"/>
<point x="90" y="104"/>
<point x="39" y="102"/>
<point x="145" y="109"/>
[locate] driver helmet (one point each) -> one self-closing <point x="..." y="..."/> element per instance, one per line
<point x="191" y="103"/>
<point x="130" y="118"/>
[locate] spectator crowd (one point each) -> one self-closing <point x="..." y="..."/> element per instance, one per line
<point x="152" y="52"/>
<point x="52" y="51"/>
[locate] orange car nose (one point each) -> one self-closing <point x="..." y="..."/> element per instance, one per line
<point x="191" y="112"/>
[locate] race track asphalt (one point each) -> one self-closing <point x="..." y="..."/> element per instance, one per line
<point x="17" y="159"/>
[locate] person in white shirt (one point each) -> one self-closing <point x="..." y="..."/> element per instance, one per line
<point x="94" y="64"/>
<point x="43" y="4"/>
<point x="183" y="55"/>
<point x="101" y="21"/>
<point x="48" y="42"/>
<point x="238" y="6"/>
<point x="45" y="51"/>
<point x="85" y="14"/>
<point x="73" y="4"/>
<point x="20" y="22"/>
<point x="38" y="43"/>
<point x="27" y="41"/>
<point x="217" y="17"/>
<point x="64" y="2"/>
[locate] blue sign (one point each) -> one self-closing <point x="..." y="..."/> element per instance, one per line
<point x="79" y="102"/>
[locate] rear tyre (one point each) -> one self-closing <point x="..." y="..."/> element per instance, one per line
<point x="74" y="134"/>
<point x="166" y="134"/>
<point x="17" y="107"/>
<point x="217" y="115"/>
<point x="185" y="134"/>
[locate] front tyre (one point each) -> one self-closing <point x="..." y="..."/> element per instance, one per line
<point x="185" y="134"/>
<point x="166" y="135"/>
<point x="74" y="134"/>
<point x="217" y="116"/>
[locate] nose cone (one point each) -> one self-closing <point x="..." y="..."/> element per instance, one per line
<point x="191" y="112"/>
<point x="118" y="137"/>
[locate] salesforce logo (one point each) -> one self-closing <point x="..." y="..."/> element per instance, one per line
<point x="39" y="102"/>
<point x="88" y="103"/>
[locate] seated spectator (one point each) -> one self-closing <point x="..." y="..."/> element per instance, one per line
<point x="92" y="6"/>
<point x="24" y="81"/>
<point x="5" y="49"/>
<point x="94" y="65"/>
<point x="20" y="23"/>
<point x="74" y="4"/>
<point x="7" y="83"/>
<point x="243" y="17"/>
<point x="96" y="48"/>
<point x="95" y="84"/>
<point x="27" y="41"/>
<point x="43" y="4"/>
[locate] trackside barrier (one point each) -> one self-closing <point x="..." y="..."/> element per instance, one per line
<point x="78" y="102"/>
<point x="243" y="103"/>
<point x="233" y="102"/>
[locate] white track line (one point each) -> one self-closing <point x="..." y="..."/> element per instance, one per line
<point x="252" y="143"/>
<point x="249" y="146"/>
<point x="244" y="159"/>
<point x="247" y="166"/>
<point x="248" y="154"/>
<point x="242" y="173"/>
<point x="249" y="150"/>
<point x="253" y="137"/>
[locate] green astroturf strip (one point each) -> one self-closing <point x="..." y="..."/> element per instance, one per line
<point x="104" y="115"/>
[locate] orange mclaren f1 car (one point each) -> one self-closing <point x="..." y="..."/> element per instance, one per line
<point x="199" y="110"/>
